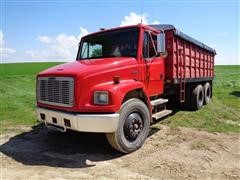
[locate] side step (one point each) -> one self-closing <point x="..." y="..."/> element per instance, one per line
<point x="161" y="114"/>
<point x="159" y="101"/>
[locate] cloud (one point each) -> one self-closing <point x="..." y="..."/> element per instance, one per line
<point x="5" y="51"/>
<point x="1" y="38"/>
<point x="37" y="54"/>
<point x="134" y="18"/>
<point x="65" y="41"/>
<point x="83" y="32"/>
<point x="44" y="39"/>
<point x="62" y="47"/>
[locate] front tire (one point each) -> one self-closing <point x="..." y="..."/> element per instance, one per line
<point x="133" y="127"/>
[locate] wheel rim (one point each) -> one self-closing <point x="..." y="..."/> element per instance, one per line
<point x="133" y="126"/>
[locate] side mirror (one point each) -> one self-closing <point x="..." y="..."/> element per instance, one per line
<point x="161" y="48"/>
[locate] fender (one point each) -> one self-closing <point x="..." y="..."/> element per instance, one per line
<point x="117" y="92"/>
<point x="123" y="88"/>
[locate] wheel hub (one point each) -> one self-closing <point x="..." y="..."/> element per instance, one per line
<point x="133" y="126"/>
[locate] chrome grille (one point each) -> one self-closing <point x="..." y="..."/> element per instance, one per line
<point x="57" y="91"/>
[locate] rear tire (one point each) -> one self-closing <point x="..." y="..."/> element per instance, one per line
<point x="133" y="127"/>
<point x="207" y="93"/>
<point x="197" y="98"/>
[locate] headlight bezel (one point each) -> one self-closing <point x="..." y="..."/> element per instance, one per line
<point x="98" y="98"/>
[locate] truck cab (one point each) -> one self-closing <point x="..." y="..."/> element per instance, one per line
<point x="115" y="86"/>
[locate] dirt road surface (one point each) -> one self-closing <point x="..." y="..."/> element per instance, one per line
<point x="167" y="154"/>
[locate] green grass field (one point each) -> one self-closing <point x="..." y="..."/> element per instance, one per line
<point x="17" y="100"/>
<point x="17" y="93"/>
<point x="222" y="113"/>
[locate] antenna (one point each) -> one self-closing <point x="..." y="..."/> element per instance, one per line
<point x="141" y="11"/>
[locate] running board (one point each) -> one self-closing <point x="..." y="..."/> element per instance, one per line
<point x="161" y="114"/>
<point x="159" y="101"/>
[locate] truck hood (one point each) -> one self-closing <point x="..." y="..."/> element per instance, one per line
<point x="88" y="66"/>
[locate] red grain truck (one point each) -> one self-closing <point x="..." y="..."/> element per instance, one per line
<point x="122" y="80"/>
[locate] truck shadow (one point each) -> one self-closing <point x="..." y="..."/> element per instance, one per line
<point x="235" y="93"/>
<point x="55" y="149"/>
<point x="69" y="150"/>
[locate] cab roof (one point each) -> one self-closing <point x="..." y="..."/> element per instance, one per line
<point x="160" y="27"/>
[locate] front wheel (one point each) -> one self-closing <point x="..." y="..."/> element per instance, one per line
<point x="133" y="127"/>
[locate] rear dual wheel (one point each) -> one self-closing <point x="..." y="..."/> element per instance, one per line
<point x="197" y="98"/>
<point x="201" y="95"/>
<point x="133" y="127"/>
<point x="207" y="92"/>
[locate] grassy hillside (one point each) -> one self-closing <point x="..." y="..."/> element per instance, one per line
<point x="17" y="93"/>
<point x="17" y="100"/>
<point x="24" y="68"/>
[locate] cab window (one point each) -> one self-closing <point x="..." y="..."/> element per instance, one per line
<point x="91" y="50"/>
<point x="149" y="45"/>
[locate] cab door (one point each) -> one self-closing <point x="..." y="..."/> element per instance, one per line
<point x="154" y="65"/>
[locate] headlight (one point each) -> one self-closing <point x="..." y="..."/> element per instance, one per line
<point x="101" y="97"/>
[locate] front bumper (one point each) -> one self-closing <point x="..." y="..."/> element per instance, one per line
<point x="62" y="121"/>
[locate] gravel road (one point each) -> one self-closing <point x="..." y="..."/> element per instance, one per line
<point x="167" y="154"/>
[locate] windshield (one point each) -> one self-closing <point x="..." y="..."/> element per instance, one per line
<point x="119" y="43"/>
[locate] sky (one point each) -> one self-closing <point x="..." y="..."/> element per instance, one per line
<point x="50" y="30"/>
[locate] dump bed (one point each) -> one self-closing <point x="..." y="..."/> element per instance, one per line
<point x="187" y="58"/>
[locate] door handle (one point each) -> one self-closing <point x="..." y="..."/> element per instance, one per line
<point x="161" y="76"/>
